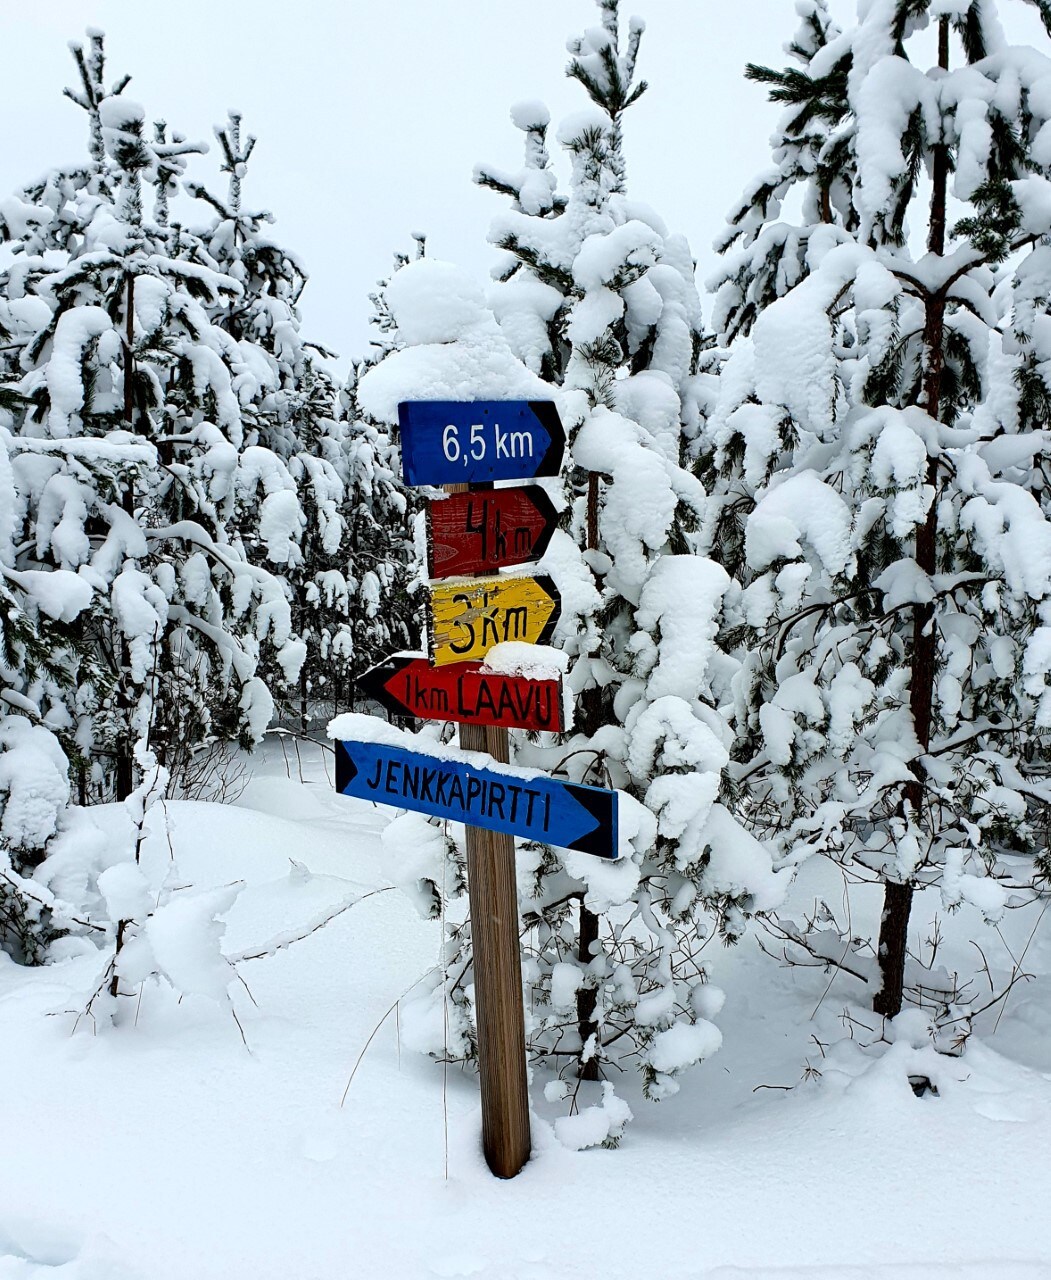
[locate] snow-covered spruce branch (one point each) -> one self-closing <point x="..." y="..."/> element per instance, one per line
<point x="243" y="664"/>
<point x="20" y="703"/>
<point x="190" y="531"/>
<point x="119" y="447"/>
<point x="280" y="731"/>
<point x="282" y="941"/>
<point x="27" y="890"/>
<point x="814" y="955"/>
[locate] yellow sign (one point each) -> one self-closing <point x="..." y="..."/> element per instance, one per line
<point x="466" y="619"/>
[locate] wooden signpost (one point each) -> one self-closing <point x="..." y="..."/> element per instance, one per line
<point x="406" y="684"/>
<point x="481" y="531"/>
<point x="474" y="532"/>
<point x="466" y="619"/>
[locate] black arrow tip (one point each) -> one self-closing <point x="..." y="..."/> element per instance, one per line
<point x="551" y="591"/>
<point x="374" y="682"/>
<point x="346" y="769"/>
<point x="546" y="413"/>
<point x="601" y="839"/>
<point x="543" y="505"/>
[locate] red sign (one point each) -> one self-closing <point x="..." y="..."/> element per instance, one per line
<point x="487" y="529"/>
<point x="407" y="685"/>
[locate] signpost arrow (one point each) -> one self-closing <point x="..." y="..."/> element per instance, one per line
<point x="476" y="441"/>
<point x="481" y="531"/>
<point x="406" y="684"/>
<point x="514" y="801"/>
<point x="466" y="619"/>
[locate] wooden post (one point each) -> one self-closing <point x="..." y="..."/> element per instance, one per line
<point x="493" y="893"/>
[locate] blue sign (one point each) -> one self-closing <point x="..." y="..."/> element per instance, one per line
<point x="565" y="814"/>
<point x="475" y="441"/>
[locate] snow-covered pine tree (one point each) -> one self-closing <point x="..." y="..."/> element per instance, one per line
<point x="876" y="475"/>
<point x="293" y="417"/>
<point x="345" y="575"/>
<point x="265" y="311"/>
<point x="382" y="319"/>
<point x="41" y="653"/>
<point x="129" y="452"/>
<point x="378" y="565"/>
<point x="597" y="296"/>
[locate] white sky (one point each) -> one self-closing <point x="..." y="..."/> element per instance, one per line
<point x="371" y="114"/>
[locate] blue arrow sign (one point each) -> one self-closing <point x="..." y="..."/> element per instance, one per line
<point x="565" y="814"/>
<point x="475" y="441"/>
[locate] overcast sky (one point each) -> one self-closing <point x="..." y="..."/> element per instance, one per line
<point x="371" y="114"/>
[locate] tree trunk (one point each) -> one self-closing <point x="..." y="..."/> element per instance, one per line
<point x="893" y="931"/>
<point x="129" y="359"/>
<point x="124" y="781"/>
<point x="589" y="717"/>
<point x="826" y="206"/>
<point x="587" y="998"/>
<point x="897" y="900"/>
<point x="114" y="984"/>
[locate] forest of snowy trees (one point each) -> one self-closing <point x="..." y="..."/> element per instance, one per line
<point x="804" y="543"/>
<point x="202" y="536"/>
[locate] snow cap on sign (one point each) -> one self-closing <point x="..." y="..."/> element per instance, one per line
<point x="454" y="349"/>
<point x="433" y="301"/>
<point x="532" y="661"/>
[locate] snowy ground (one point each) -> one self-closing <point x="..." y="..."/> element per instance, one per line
<point x="167" y="1150"/>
